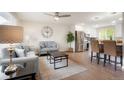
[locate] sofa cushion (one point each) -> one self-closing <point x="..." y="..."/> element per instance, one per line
<point x="42" y="44"/>
<point x="5" y="54"/>
<point x="49" y="44"/>
<point x="23" y="46"/>
<point x="53" y="49"/>
<point x="31" y="53"/>
<point x="20" y="52"/>
<point x="27" y="48"/>
<point x="49" y="49"/>
<point x="44" y="49"/>
<point x="46" y="44"/>
<point x="53" y="45"/>
<point x="19" y="46"/>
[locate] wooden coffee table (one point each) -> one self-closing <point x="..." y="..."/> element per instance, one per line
<point x="58" y="57"/>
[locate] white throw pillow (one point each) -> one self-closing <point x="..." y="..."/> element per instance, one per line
<point x="20" y="52"/>
<point x="30" y="54"/>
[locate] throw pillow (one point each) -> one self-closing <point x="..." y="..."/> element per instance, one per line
<point x="5" y="54"/>
<point x="20" y="52"/>
<point x="42" y="45"/>
<point x="27" y="48"/>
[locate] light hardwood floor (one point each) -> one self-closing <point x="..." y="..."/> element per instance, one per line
<point x="95" y="71"/>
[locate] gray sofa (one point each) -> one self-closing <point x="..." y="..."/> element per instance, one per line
<point x="32" y="60"/>
<point x="48" y="46"/>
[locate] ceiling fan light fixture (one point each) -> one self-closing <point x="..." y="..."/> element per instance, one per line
<point x="56" y="18"/>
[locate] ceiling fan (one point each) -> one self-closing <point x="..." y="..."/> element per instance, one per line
<point x="57" y="15"/>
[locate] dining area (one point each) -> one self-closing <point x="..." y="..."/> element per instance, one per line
<point x="108" y="52"/>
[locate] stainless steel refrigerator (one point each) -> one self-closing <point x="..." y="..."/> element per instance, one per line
<point x="81" y="41"/>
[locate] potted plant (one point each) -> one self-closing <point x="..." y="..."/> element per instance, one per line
<point x="70" y="39"/>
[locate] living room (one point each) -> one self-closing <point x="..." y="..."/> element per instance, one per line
<point x="61" y="46"/>
<point x="55" y="26"/>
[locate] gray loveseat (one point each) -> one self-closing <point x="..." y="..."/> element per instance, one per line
<point x="48" y="46"/>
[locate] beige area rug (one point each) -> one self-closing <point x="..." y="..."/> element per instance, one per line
<point x="47" y="71"/>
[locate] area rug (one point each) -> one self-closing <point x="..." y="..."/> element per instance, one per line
<point x="48" y="73"/>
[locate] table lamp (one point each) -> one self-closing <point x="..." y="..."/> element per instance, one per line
<point x="10" y="35"/>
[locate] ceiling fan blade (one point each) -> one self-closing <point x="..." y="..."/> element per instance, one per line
<point x="49" y="14"/>
<point x="64" y="15"/>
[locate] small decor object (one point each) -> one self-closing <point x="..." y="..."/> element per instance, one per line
<point x="70" y="39"/>
<point x="47" y="31"/>
<point x="12" y="67"/>
<point x="11" y="72"/>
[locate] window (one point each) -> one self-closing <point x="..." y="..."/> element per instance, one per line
<point x="107" y="33"/>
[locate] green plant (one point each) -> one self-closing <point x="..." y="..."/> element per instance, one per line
<point x="70" y="38"/>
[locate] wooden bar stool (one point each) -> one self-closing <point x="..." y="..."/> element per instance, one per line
<point x="95" y="47"/>
<point x="110" y="49"/>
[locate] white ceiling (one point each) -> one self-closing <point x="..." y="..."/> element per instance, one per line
<point x="105" y="18"/>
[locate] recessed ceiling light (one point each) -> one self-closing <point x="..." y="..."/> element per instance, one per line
<point x="56" y="18"/>
<point x="96" y="18"/>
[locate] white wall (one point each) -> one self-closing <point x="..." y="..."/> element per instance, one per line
<point x="33" y="31"/>
<point x="118" y="28"/>
<point x="10" y="17"/>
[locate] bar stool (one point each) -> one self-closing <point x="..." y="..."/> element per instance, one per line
<point x="95" y="47"/>
<point x="111" y="49"/>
